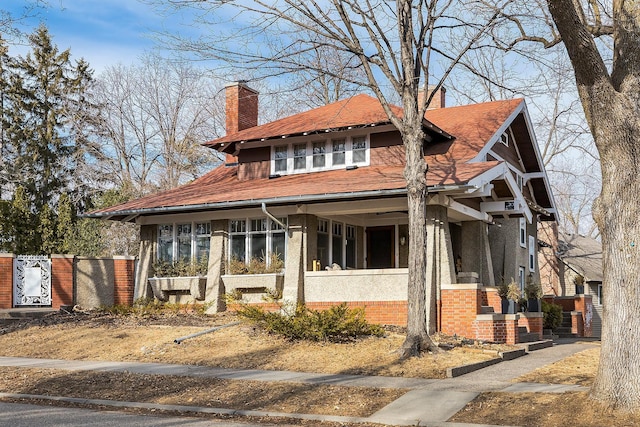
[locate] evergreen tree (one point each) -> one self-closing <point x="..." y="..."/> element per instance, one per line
<point x="46" y="119"/>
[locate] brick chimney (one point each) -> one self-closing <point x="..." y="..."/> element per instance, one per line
<point x="241" y="107"/>
<point x="438" y="100"/>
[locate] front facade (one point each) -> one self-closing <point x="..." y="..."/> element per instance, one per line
<point x="322" y="194"/>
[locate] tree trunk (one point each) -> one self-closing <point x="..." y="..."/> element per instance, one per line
<point x="617" y="213"/>
<point x="417" y="339"/>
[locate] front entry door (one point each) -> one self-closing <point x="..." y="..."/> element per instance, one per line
<point x="380" y="247"/>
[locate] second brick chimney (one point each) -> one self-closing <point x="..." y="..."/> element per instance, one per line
<point x="438" y="100"/>
<point x="241" y="107"/>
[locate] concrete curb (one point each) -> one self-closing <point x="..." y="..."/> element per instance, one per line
<point x="513" y="354"/>
<point x="465" y="369"/>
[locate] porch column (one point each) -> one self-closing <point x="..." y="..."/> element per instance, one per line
<point x="148" y="236"/>
<point x="440" y="267"/>
<point x="294" y="265"/>
<point x="476" y="253"/>
<point x="215" y="289"/>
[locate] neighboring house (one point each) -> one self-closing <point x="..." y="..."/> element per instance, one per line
<point x="325" y="188"/>
<point x="571" y="264"/>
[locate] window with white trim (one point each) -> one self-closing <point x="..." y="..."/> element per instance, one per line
<point x="320" y="155"/>
<point x="523" y="232"/>
<point x="336" y="244"/>
<point x="319" y="149"/>
<point x="183" y="241"/>
<point x="256" y="238"/>
<point x="532" y="253"/>
<point x="521" y="278"/>
<point x="504" y="139"/>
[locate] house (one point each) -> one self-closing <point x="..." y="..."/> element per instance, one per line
<point x="571" y="269"/>
<point x="325" y="188"/>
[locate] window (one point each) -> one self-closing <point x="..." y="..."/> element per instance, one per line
<point x="504" y="139"/>
<point x="532" y="253"/>
<point x="280" y="158"/>
<point x="523" y="233"/>
<point x="336" y="244"/>
<point x="600" y="296"/>
<point x="318" y="154"/>
<point x="183" y="242"/>
<point x="351" y="247"/>
<point x="521" y="278"/>
<point x="359" y="149"/>
<point x="338" y="157"/>
<point x="299" y="156"/>
<point x="257" y="238"/>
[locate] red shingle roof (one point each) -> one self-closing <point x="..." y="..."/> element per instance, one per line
<point x="471" y="125"/>
<point x="222" y="185"/>
<point x="359" y="110"/>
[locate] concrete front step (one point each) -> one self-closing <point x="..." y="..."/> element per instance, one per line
<point x="25" y="313"/>
<point x="527" y="337"/>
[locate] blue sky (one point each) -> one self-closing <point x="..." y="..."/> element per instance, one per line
<point x="104" y="32"/>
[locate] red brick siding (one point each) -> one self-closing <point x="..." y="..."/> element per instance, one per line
<point x="459" y="310"/>
<point x="6" y="281"/>
<point x="62" y="282"/>
<point x="123" y="281"/>
<point x="491" y="298"/>
<point x="533" y="324"/>
<point x="584" y="304"/>
<point x="381" y="312"/>
<point x="241" y="108"/>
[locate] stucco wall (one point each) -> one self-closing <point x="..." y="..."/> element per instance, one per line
<point x="94" y="282"/>
<point x="388" y="284"/>
<point x="507" y="254"/>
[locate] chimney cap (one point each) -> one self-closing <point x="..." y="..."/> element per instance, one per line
<point x="242" y="83"/>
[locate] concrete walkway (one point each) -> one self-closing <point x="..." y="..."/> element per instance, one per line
<point x="428" y="403"/>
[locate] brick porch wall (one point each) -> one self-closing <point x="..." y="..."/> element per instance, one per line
<point x="499" y="328"/>
<point x="62" y="280"/>
<point x="584" y="305"/>
<point x="123" y="280"/>
<point x="460" y="307"/>
<point x="6" y="280"/>
<point x="381" y="312"/>
<point x="533" y="322"/>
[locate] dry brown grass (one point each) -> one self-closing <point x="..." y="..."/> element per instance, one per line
<point x="235" y="347"/>
<point x="579" y="369"/>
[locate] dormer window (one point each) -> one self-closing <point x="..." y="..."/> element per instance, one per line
<point x="320" y="155"/>
<point x="504" y="138"/>
<point x="338" y="152"/>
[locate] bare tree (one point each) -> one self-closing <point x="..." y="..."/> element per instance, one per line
<point x="154" y="117"/>
<point x="602" y="43"/>
<point x="394" y="44"/>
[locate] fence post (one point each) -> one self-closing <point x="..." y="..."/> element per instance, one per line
<point x="6" y="280"/>
<point x="62" y="280"/>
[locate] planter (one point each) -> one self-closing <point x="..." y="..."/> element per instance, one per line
<point x="253" y="281"/>
<point x="509" y="306"/>
<point x="162" y="286"/>
<point x="533" y="305"/>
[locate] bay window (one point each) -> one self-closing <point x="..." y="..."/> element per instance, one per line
<point x="184" y="241"/>
<point x="256" y="239"/>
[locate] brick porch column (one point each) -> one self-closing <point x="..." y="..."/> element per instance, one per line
<point x="62" y="280"/>
<point x="6" y="280"/>
<point x="123" y="280"/>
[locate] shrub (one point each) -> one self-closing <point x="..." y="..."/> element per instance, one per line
<point x="151" y="307"/>
<point x="337" y="324"/>
<point x="262" y="265"/>
<point x="552" y="315"/>
<point x="181" y="268"/>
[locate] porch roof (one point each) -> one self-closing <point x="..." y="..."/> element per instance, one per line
<point x="221" y="189"/>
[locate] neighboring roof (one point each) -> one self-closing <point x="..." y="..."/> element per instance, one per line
<point x="582" y="254"/>
<point x="357" y="111"/>
<point x="220" y="186"/>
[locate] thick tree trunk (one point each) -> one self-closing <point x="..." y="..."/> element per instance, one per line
<point x="417" y="339"/>
<point x="617" y="214"/>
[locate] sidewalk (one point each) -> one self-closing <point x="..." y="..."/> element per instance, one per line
<point x="429" y="402"/>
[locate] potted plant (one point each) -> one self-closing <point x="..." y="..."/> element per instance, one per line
<point x="510" y="294"/>
<point x="533" y="293"/>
